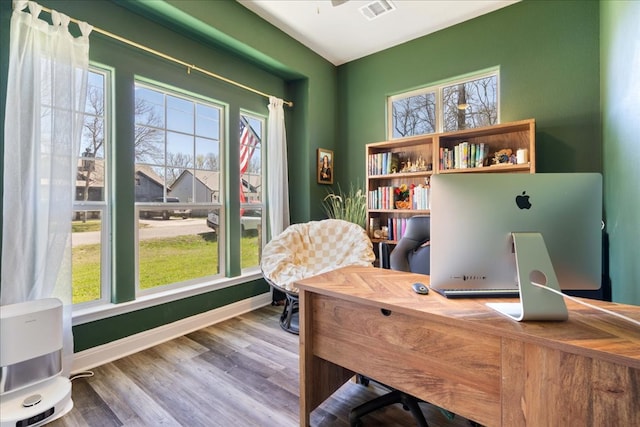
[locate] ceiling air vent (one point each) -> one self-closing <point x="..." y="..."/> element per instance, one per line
<point x="377" y="8"/>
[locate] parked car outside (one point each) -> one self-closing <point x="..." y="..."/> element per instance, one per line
<point x="167" y="213"/>
<point x="249" y="221"/>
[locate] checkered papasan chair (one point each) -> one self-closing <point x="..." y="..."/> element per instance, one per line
<point x="307" y="249"/>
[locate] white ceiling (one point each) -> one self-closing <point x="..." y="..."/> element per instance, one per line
<point x="342" y="33"/>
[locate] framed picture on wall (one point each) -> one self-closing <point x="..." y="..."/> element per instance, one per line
<point x="325" y="165"/>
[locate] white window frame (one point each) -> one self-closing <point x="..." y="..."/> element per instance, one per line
<point x="104" y="206"/>
<point x="263" y="182"/>
<point x="219" y="205"/>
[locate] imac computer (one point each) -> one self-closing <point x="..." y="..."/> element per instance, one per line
<point x="504" y="232"/>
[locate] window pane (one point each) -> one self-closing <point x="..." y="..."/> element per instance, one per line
<point x="470" y="104"/>
<point x="179" y="149"/>
<point x="414" y="115"/>
<point x="251" y="133"/>
<point x="251" y="244"/>
<point x="179" y="114"/>
<point x="207" y="154"/>
<point x="149" y="108"/>
<point x="176" y="250"/>
<point x="458" y="104"/>
<point x="89" y="250"/>
<point x="207" y="186"/>
<point x="86" y="253"/>
<point x="207" y="121"/>
<point x="176" y="168"/>
<point x="149" y="182"/>
<point x="250" y="161"/>
<point x="90" y="176"/>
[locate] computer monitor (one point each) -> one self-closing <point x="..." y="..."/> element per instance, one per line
<point x="474" y="216"/>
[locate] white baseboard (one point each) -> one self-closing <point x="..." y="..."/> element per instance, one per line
<point x="96" y="356"/>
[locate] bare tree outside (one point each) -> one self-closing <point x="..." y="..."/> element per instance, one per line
<point x="414" y="115"/>
<point x="176" y="163"/>
<point x="470" y="104"/>
<point x="148" y="138"/>
<point x="92" y="141"/>
<point x="463" y="105"/>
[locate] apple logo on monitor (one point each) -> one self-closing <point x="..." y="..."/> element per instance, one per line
<point x="522" y="200"/>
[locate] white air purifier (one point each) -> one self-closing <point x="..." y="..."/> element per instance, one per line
<point x="32" y="389"/>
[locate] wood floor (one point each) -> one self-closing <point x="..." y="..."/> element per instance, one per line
<point x="240" y="372"/>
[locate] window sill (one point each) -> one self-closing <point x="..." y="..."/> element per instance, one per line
<point x="92" y="313"/>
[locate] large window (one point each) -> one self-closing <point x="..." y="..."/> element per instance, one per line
<point x="457" y="104"/>
<point x="90" y="254"/>
<point x="178" y="184"/>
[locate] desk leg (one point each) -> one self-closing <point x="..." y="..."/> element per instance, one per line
<point x="319" y="378"/>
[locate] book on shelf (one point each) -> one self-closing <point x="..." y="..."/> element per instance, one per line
<point x="463" y="155"/>
<point x="383" y="163"/>
<point x="420" y="197"/>
<point x="396" y="227"/>
<point x="382" y="198"/>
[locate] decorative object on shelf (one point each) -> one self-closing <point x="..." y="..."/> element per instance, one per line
<point x="325" y="165"/>
<point x="351" y="206"/>
<point x="522" y="156"/>
<point x="503" y="157"/>
<point x="403" y="204"/>
<point x="403" y="196"/>
<point x="419" y="165"/>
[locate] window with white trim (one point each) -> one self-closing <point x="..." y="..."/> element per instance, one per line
<point x="90" y="224"/>
<point x="457" y="104"/>
<point x="251" y="186"/>
<point x="178" y="185"/>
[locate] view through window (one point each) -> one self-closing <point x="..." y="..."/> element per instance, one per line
<point x="178" y="183"/>
<point x="460" y="104"/>
<point x="89" y="226"/>
<point x="251" y="204"/>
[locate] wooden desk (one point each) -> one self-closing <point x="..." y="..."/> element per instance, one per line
<point x="463" y="356"/>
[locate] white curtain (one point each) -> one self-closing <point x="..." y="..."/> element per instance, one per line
<point x="277" y="177"/>
<point x="46" y="93"/>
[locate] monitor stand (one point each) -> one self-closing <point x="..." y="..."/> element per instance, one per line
<point x="533" y="265"/>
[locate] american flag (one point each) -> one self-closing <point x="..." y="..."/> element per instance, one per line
<point x="248" y="143"/>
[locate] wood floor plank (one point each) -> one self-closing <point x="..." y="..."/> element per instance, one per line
<point x="240" y="372"/>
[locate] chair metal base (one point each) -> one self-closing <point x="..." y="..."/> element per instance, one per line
<point x="289" y="319"/>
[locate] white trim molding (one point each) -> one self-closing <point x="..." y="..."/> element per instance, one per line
<point x="96" y="356"/>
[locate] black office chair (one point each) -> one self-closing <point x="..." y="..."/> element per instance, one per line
<point x="412" y="253"/>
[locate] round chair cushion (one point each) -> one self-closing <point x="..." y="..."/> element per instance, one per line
<point x="306" y="249"/>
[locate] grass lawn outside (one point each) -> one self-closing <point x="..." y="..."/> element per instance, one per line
<point x="162" y="261"/>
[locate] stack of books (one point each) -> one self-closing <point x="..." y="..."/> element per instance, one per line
<point x="462" y="156"/>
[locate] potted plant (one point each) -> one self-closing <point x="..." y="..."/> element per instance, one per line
<point x="350" y="206"/>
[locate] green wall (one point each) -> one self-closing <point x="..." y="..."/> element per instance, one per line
<point x="620" y="53"/>
<point x="549" y="54"/>
<point x="549" y="70"/>
<point x="311" y="81"/>
<point x="549" y="58"/>
<point x="282" y="67"/>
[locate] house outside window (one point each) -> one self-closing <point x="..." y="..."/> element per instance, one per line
<point x="178" y="184"/>
<point x="90" y="224"/>
<point x="463" y="103"/>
